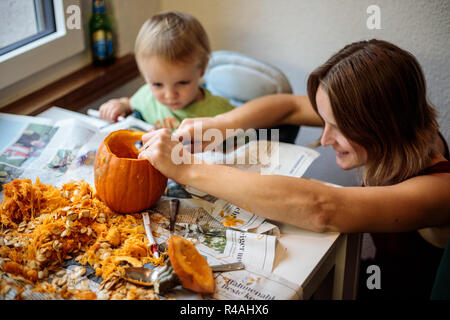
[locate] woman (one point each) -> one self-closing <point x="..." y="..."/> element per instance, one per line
<point x="370" y="98"/>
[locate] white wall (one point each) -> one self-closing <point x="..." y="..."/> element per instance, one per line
<point x="299" y="35"/>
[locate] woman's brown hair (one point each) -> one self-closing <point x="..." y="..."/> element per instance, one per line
<point x="377" y="93"/>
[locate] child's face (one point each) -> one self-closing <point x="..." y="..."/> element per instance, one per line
<point x="175" y="85"/>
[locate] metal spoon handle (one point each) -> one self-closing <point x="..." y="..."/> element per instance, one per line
<point x="174" y="204"/>
<point x="228" y="267"/>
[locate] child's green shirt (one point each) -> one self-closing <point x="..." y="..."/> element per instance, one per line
<point x="160" y="116"/>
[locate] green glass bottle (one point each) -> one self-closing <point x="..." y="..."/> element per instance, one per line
<point x="100" y="28"/>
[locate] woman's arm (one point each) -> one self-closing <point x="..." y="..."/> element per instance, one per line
<point x="416" y="203"/>
<point x="264" y="112"/>
<point x="272" y="110"/>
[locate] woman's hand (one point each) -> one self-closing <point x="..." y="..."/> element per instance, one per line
<point x="166" y="154"/>
<point x="112" y="109"/>
<point x="200" y="133"/>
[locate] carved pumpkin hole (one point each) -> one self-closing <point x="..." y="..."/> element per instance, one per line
<point x="122" y="144"/>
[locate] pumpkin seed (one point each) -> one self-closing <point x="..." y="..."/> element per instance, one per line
<point x="32" y="264"/>
<point x="111" y="283"/>
<point x="105" y="245"/>
<point x="69" y="224"/>
<point x="72" y="216"/>
<point x="65" y="233"/>
<point x="41" y="258"/>
<point x="83" y="230"/>
<point x="60" y="273"/>
<point x="6" y="289"/>
<point x="80" y="271"/>
<point x="42" y="274"/>
<point x="61" y="281"/>
<point x="57" y="245"/>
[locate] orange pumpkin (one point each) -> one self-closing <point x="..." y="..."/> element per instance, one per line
<point x="190" y="266"/>
<point x="124" y="182"/>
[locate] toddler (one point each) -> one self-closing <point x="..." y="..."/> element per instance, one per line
<point x="172" y="51"/>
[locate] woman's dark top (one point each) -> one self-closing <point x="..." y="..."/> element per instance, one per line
<point x="408" y="263"/>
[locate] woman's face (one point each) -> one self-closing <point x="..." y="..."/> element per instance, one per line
<point x="349" y="154"/>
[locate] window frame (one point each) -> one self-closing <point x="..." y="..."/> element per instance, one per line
<point x="44" y="52"/>
<point x="47" y="16"/>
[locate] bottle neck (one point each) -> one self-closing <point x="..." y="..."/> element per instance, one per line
<point x="98" y="6"/>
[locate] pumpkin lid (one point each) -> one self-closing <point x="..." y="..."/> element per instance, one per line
<point x="190" y="266"/>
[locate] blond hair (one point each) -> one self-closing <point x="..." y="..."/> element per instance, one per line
<point x="174" y="36"/>
<point x="378" y="97"/>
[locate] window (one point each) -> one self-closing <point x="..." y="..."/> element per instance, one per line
<point x="25" y="21"/>
<point x="33" y="36"/>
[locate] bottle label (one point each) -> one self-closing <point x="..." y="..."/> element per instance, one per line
<point x="99" y="44"/>
<point x="99" y="6"/>
<point x="109" y="44"/>
<point x="102" y="44"/>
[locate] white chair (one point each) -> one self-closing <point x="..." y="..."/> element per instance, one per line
<point x="240" y="78"/>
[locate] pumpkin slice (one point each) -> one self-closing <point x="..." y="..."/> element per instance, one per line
<point x="190" y="266"/>
<point x="124" y="182"/>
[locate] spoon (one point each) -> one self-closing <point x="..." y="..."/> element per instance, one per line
<point x="147" y="277"/>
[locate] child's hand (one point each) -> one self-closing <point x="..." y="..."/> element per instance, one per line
<point x="114" y="108"/>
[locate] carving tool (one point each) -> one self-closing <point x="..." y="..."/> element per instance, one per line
<point x="148" y="231"/>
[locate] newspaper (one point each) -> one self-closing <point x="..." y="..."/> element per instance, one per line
<point x="61" y="151"/>
<point x="56" y="152"/>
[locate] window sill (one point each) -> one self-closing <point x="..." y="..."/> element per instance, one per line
<point x="77" y="89"/>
